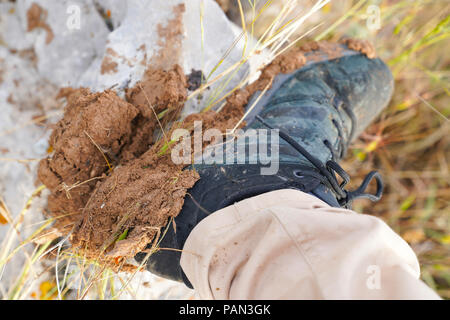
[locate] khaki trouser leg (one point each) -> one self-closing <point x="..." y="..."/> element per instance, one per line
<point x="287" y="244"/>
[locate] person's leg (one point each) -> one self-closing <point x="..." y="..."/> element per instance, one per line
<point x="287" y="244"/>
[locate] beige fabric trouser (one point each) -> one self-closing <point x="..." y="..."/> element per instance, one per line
<point x="287" y="244"/>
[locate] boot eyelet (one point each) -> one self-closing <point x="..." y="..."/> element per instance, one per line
<point x="298" y="174"/>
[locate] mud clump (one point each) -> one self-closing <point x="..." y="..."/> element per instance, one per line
<point x="114" y="186"/>
<point x="159" y="91"/>
<point x="285" y="63"/>
<point x="294" y="59"/>
<point x="87" y="142"/>
<point x="361" y="45"/>
<point x="106" y="173"/>
<point x="137" y="198"/>
<point x="142" y="196"/>
<point x="159" y="97"/>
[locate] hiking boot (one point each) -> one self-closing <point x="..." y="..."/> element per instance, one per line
<point x="313" y="114"/>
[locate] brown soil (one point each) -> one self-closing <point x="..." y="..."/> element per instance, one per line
<point x="108" y="65"/>
<point x="36" y="17"/>
<point x="111" y="174"/>
<point x="95" y="130"/>
<point x="170" y="39"/>
<point x="361" y="45"/>
<point x="162" y="89"/>
<point x="101" y="181"/>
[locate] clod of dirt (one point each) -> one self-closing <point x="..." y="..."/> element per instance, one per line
<point x="159" y="91"/>
<point x="316" y="50"/>
<point x="36" y="18"/>
<point x="88" y="141"/>
<point x="112" y="174"/>
<point x="294" y="59"/>
<point x="285" y="63"/>
<point x="99" y="134"/>
<point x="141" y="196"/>
<point x="361" y="45"/>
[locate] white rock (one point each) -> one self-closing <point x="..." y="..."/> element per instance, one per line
<point x="74" y="46"/>
<point x="140" y="27"/>
<point x="117" y="8"/>
<point x="12" y="31"/>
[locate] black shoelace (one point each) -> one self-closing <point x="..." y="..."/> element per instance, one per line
<point x="329" y="171"/>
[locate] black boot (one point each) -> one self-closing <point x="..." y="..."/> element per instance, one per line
<point x="318" y="110"/>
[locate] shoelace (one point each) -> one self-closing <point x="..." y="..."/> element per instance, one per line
<point x="329" y="171"/>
